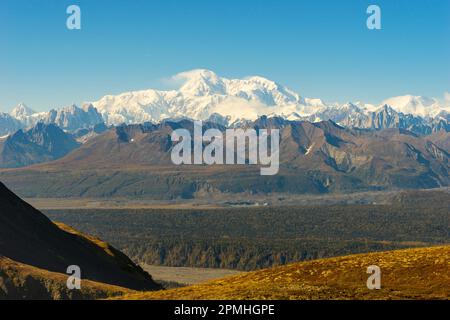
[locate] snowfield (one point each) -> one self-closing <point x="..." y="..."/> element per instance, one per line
<point x="203" y="95"/>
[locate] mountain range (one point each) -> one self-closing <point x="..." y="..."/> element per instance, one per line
<point x="43" y="142"/>
<point x="203" y="95"/>
<point x="70" y="118"/>
<point x="322" y="157"/>
<point x="121" y="146"/>
<point x="206" y="96"/>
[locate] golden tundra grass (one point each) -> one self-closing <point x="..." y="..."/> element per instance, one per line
<point x="52" y="285"/>
<point x="405" y="274"/>
<point x="17" y="276"/>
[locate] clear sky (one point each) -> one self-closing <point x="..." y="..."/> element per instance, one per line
<point x="317" y="48"/>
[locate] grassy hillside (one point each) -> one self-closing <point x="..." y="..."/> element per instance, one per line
<point x="405" y="274"/>
<point x="29" y="237"/>
<point x="22" y="281"/>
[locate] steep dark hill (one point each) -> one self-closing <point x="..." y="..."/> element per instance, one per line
<point x="19" y="281"/>
<point x="42" y="143"/>
<point x="28" y="237"/>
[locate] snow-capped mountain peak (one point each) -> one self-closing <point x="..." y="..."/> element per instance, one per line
<point x="72" y="117"/>
<point x="416" y="105"/>
<point x="68" y="118"/>
<point x="202" y="95"/>
<point x="200" y="82"/>
<point x="21" y="111"/>
<point x="387" y="109"/>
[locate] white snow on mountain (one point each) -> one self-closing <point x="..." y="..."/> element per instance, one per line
<point x="21" y="112"/>
<point x="72" y="117"/>
<point x="203" y="95"/>
<point x="416" y="105"/>
<point x="69" y="118"/>
<point x="8" y="124"/>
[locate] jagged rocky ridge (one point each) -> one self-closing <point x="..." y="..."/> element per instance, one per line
<point x="43" y="142"/>
<point x="322" y="157"/>
<point x="203" y="95"/>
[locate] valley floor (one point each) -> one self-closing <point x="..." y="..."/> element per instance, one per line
<point x="186" y="275"/>
<point x="214" y="201"/>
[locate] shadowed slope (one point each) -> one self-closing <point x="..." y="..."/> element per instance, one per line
<point x="22" y="281"/>
<point x="28" y="237"/>
<point x="42" y="143"/>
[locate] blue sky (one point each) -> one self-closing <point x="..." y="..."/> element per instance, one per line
<point x="317" y="48"/>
